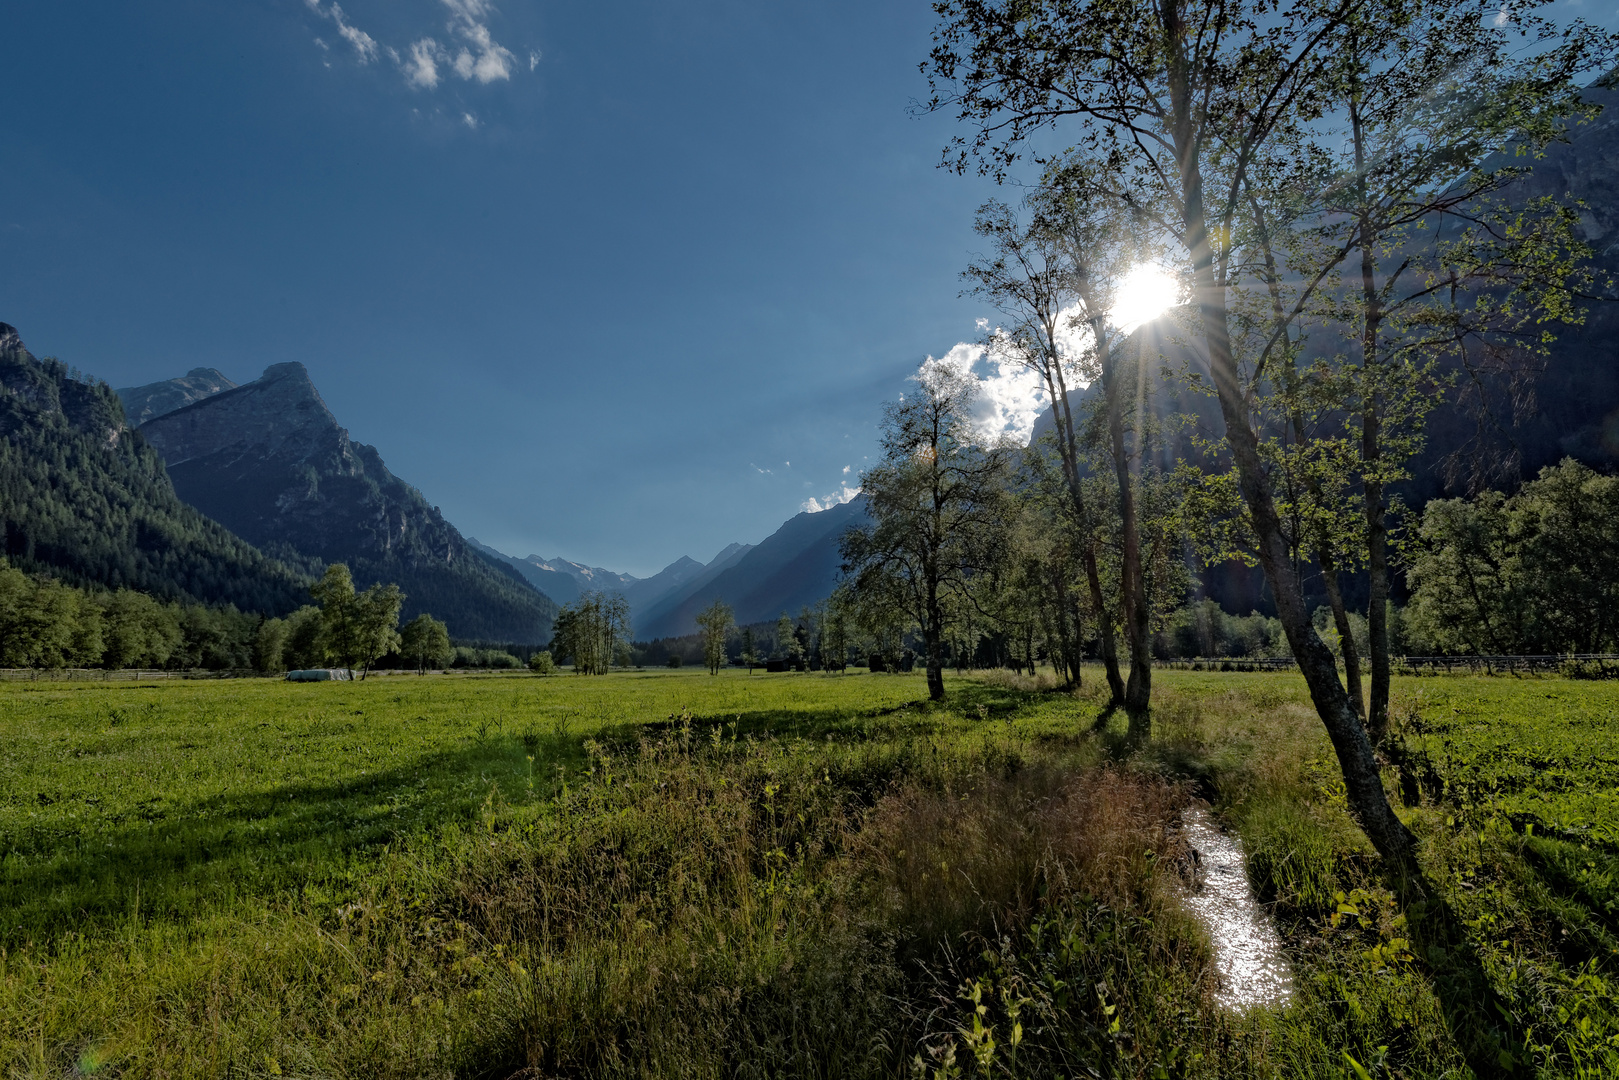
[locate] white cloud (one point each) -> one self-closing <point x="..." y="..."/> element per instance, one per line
<point x="837" y="498"/>
<point x="1010" y="396"/>
<point x="533" y="59"/>
<point x="421" y="66"/>
<point x="472" y="54"/>
<point x="469" y="120"/>
<point x="846" y="470"/>
<point x="486" y="60"/>
<point x="365" y="46"/>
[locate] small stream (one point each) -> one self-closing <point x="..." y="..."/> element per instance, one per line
<point x="1254" y="971"/>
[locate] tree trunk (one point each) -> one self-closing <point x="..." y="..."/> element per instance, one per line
<point x="1104" y="628"/>
<point x="1371" y="452"/>
<point x="1068" y="448"/>
<point x="933" y="642"/>
<point x="1137" y="615"/>
<point x="1367" y="799"/>
<point x="1377" y="718"/>
<point x="1340" y="619"/>
<point x="935" y="662"/>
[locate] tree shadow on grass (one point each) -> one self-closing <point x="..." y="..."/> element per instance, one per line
<point x="188" y="858"/>
<point x="1479" y="1021"/>
<point x="918" y="716"/>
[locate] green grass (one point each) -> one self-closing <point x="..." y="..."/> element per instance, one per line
<point x="1543" y="753"/>
<point x="663" y="873"/>
<point x="162" y="797"/>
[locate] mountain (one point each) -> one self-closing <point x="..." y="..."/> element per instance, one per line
<point x="564" y="581"/>
<point x="1574" y="411"/>
<point x="559" y="579"/>
<point x="796" y="565"/>
<point x="268" y="460"/>
<point x="648" y="591"/>
<point x="85" y="498"/>
<point x="141" y="403"/>
<point x="678" y="580"/>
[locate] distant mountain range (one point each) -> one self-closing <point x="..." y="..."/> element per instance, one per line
<point x="796" y="565"/>
<point x="270" y="462"/>
<point x="202" y="488"/>
<point x="559" y="579"/>
<point x="84" y="498"/>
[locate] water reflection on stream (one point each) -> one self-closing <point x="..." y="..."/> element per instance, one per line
<point x="1247" y="950"/>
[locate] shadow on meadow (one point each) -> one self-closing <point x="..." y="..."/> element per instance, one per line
<point x="184" y="857"/>
<point x="965" y="699"/>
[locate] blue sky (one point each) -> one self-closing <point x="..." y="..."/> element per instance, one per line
<point x="612" y="281"/>
<point x="618" y="282"/>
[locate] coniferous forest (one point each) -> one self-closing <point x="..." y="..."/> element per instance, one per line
<point x="83" y="497"/>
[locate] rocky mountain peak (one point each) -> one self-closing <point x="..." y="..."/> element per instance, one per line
<point x="143" y="403"/>
<point x="279" y="414"/>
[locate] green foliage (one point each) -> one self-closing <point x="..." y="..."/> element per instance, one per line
<point x="541" y="663"/>
<point x="357" y="628"/>
<point x="593" y="632"/>
<point x="47" y="624"/>
<point x="499" y="659"/>
<point x="715" y="623"/>
<point x="939" y="502"/>
<point x="1204" y="629"/>
<point x="85" y="499"/>
<point x="1541" y="754"/>
<point x="1292" y="858"/>
<point x="426" y="641"/>
<point x="305" y="641"/>
<point x="1534" y="573"/>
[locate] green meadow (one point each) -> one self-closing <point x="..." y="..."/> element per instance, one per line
<point x="671" y="874"/>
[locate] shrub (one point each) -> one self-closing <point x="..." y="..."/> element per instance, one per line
<point x="541" y="663"/>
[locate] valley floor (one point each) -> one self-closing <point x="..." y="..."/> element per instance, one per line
<point x="671" y="874"/>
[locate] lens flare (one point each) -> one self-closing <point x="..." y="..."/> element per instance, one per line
<point x="1145" y="293"/>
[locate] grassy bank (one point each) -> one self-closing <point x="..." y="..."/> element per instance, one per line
<point x="671" y="874"/>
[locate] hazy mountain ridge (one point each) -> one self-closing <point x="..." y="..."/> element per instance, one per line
<point x="559" y="579"/>
<point x="85" y="498"/>
<point x="142" y="403"/>
<point x="796" y="565"/>
<point x="269" y="461"/>
<point x="565" y="581"/>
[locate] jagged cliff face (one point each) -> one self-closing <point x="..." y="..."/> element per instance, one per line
<point x="270" y="461"/>
<point x="142" y="403"/>
<point x="84" y="498"/>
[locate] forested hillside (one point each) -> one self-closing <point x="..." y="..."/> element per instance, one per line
<point x="270" y="461"/>
<point x="85" y="498"/>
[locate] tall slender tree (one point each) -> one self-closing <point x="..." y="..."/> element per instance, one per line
<point x="936" y="500"/>
<point x="1187" y="101"/>
<point x="715" y="623"/>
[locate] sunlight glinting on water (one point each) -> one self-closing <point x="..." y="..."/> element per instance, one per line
<point x="1254" y="971"/>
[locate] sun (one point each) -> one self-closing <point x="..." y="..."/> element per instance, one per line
<point x="1144" y="293"/>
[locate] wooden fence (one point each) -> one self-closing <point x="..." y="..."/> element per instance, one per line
<point x="121" y="675"/>
<point x="1405" y="664"/>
